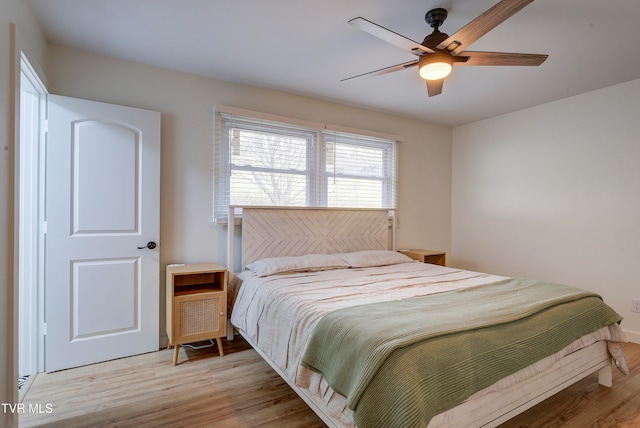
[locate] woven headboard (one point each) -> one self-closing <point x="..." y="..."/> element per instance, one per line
<point x="273" y="232"/>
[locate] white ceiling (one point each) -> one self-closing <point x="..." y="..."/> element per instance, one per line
<point x="306" y="47"/>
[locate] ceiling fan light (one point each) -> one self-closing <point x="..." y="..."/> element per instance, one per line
<point x="435" y="66"/>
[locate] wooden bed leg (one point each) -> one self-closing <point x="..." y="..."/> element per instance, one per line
<point x="229" y="331"/>
<point x="605" y="376"/>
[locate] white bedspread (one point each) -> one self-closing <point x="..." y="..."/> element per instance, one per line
<point x="279" y="312"/>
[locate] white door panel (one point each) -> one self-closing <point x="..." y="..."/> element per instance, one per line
<point x="103" y="182"/>
<point x="105" y="297"/>
<point x="105" y="178"/>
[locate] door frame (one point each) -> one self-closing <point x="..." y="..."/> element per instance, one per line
<point x="20" y="57"/>
<point x="10" y="332"/>
<point x="30" y="194"/>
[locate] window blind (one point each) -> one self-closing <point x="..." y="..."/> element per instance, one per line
<point x="262" y="162"/>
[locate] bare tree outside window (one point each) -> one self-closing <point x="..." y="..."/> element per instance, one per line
<point x="268" y="169"/>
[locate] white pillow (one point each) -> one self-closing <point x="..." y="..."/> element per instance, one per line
<point x="306" y="263"/>
<point x="370" y="258"/>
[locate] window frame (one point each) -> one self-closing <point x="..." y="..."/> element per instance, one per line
<point x="272" y="128"/>
<point x="389" y="166"/>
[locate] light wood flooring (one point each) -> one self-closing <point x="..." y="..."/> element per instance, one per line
<point x="241" y="390"/>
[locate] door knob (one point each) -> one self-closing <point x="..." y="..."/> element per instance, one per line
<point x="150" y="245"/>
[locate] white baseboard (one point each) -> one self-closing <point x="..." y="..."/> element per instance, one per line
<point x="633" y="336"/>
<point x="164" y="341"/>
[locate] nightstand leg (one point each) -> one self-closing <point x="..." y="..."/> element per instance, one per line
<point x="219" y="342"/>
<point x="175" y="355"/>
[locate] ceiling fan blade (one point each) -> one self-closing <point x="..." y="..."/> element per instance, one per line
<point x="499" y="58"/>
<point x="482" y="25"/>
<point x="385" y="70"/>
<point x="389" y="36"/>
<point x="434" y="87"/>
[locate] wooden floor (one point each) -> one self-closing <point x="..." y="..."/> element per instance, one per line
<point x="241" y="390"/>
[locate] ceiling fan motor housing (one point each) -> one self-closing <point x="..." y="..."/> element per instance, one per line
<point x="434" y="39"/>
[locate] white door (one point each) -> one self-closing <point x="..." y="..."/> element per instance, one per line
<point x="102" y="203"/>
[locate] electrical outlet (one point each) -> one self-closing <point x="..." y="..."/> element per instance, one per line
<point x="635" y="305"/>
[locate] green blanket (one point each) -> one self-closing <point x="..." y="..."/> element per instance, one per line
<point x="400" y="363"/>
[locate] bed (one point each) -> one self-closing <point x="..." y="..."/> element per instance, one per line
<point x="311" y="269"/>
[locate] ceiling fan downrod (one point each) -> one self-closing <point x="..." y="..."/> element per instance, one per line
<point x="436" y="17"/>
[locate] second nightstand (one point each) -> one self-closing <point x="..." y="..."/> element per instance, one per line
<point x="427" y="256"/>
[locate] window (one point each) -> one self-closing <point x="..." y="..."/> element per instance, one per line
<point x="262" y="162"/>
<point x="358" y="171"/>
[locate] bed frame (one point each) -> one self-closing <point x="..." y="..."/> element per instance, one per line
<point x="277" y="231"/>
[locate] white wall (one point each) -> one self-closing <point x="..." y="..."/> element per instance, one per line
<point x="18" y="31"/>
<point x="553" y="193"/>
<point x="185" y="102"/>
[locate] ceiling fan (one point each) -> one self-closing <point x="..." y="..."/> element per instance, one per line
<point x="439" y="52"/>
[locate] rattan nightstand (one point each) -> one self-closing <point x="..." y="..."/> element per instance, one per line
<point x="196" y="304"/>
